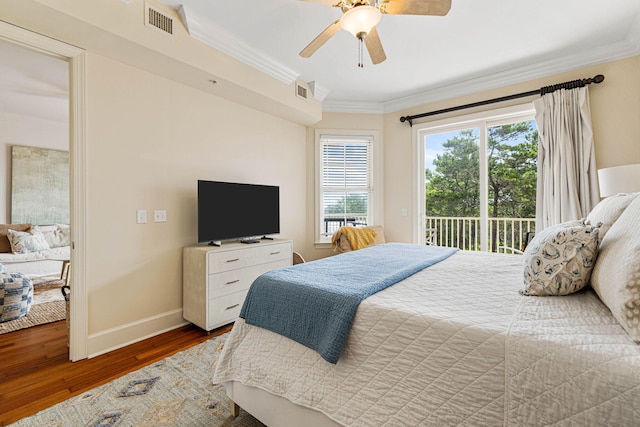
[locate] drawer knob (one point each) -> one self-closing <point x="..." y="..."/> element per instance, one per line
<point x="233" y="260"/>
<point x="274" y="253"/>
<point x="231" y="306"/>
<point x="232" y="282"/>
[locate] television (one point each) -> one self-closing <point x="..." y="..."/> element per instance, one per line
<point x="234" y="211"/>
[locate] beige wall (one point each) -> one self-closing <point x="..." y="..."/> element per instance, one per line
<point x="149" y="141"/>
<point x="337" y="121"/>
<point x="615" y="110"/>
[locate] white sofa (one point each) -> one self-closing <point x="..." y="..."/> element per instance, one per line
<point x="34" y="263"/>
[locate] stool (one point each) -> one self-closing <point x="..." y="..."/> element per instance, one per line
<point x="16" y="295"/>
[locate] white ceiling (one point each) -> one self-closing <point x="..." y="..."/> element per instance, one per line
<point x="33" y="84"/>
<point x="478" y="45"/>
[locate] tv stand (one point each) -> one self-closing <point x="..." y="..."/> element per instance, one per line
<point x="215" y="243"/>
<point x="266" y="238"/>
<point x="216" y="279"/>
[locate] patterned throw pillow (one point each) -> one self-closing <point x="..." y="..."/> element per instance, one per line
<point x="616" y="275"/>
<point x="23" y="242"/>
<point x="560" y="258"/>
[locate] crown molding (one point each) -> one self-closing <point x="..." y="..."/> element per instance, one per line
<point x="222" y="40"/>
<point x="331" y="106"/>
<point x="319" y="92"/>
<point x="634" y="35"/>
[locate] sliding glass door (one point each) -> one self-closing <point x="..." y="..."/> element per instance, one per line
<point x="478" y="180"/>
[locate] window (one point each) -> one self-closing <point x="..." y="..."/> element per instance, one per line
<point x="477" y="179"/>
<point x="345" y="187"/>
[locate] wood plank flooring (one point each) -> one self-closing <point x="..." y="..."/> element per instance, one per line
<point x="35" y="371"/>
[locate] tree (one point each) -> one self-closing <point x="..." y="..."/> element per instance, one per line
<point x="349" y="204"/>
<point x="453" y="187"/>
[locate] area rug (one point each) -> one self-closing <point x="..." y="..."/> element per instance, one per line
<point x="176" y="391"/>
<point x="48" y="305"/>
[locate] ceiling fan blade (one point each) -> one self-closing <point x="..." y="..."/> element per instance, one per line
<point x="321" y="39"/>
<point x="415" y="7"/>
<point x="374" y="46"/>
<point x="336" y="3"/>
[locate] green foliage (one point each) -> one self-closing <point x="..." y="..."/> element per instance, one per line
<point x="349" y="204"/>
<point x="453" y="189"/>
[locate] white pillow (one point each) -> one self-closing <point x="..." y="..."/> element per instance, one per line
<point x="560" y="258"/>
<point x="23" y="242"/>
<point x="609" y="210"/>
<point x="56" y="235"/>
<point x="616" y="275"/>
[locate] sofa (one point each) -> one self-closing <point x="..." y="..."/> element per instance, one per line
<point x="34" y="250"/>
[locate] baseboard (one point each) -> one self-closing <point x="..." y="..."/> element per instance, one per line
<point x="130" y="333"/>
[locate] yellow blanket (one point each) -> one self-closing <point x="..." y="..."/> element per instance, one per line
<point x="358" y="237"/>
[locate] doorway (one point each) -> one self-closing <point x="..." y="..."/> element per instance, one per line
<point x="75" y="60"/>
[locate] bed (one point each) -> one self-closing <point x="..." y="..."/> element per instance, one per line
<point x="458" y="344"/>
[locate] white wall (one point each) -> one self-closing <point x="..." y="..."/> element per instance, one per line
<point x="29" y="131"/>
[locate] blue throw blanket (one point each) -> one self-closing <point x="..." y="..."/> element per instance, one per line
<point x="315" y="303"/>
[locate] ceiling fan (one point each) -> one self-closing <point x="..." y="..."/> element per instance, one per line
<point x="360" y="18"/>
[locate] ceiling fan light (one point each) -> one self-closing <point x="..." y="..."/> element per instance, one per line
<point x="360" y="19"/>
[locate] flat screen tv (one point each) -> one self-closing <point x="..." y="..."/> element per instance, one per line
<point x="234" y="211"/>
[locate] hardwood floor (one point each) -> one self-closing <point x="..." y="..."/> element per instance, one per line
<point x="35" y="371"/>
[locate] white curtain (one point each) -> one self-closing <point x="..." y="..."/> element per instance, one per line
<point x="567" y="177"/>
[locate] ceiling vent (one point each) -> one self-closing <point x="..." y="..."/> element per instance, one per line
<point x="158" y="20"/>
<point x="301" y="91"/>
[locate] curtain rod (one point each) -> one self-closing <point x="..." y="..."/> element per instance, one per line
<point x="542" y="91"/>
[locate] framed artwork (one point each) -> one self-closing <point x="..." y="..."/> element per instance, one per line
<point x="39" y="186"/>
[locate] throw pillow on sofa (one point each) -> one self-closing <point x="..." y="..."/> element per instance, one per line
<point x="56" y="235"/>
<point x="5" y="245"/>
<point x="23" y="242"/>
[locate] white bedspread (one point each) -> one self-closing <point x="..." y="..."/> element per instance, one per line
<point x="434" y="350"/>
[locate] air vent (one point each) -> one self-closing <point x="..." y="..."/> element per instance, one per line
<point x="301" y="91"/>
<point x="158" y="20"/>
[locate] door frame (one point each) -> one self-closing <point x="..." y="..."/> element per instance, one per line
<point x="76" y="57"/>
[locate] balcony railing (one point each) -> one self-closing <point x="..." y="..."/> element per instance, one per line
<point x="505" y="235"/>
<point x="332" y="222"/>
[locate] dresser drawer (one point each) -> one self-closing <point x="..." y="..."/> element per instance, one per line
<point x="225" y="309"/>
<point x="234" y="259"/>
<point x="240" y="279"/>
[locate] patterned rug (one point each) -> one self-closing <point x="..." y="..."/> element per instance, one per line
<point x="177" y="391"/>
<point x="48" y="305"/>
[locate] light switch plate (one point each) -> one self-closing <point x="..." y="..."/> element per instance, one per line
<point x="141" y="217"/>
<point x="160" y="216"/>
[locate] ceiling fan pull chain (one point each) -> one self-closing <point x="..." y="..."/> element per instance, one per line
<point x="360" y="64"/>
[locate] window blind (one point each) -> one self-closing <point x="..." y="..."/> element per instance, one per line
<point x="345" y="181"/>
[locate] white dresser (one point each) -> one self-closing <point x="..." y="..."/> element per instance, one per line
<point x="215" y="280"/>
